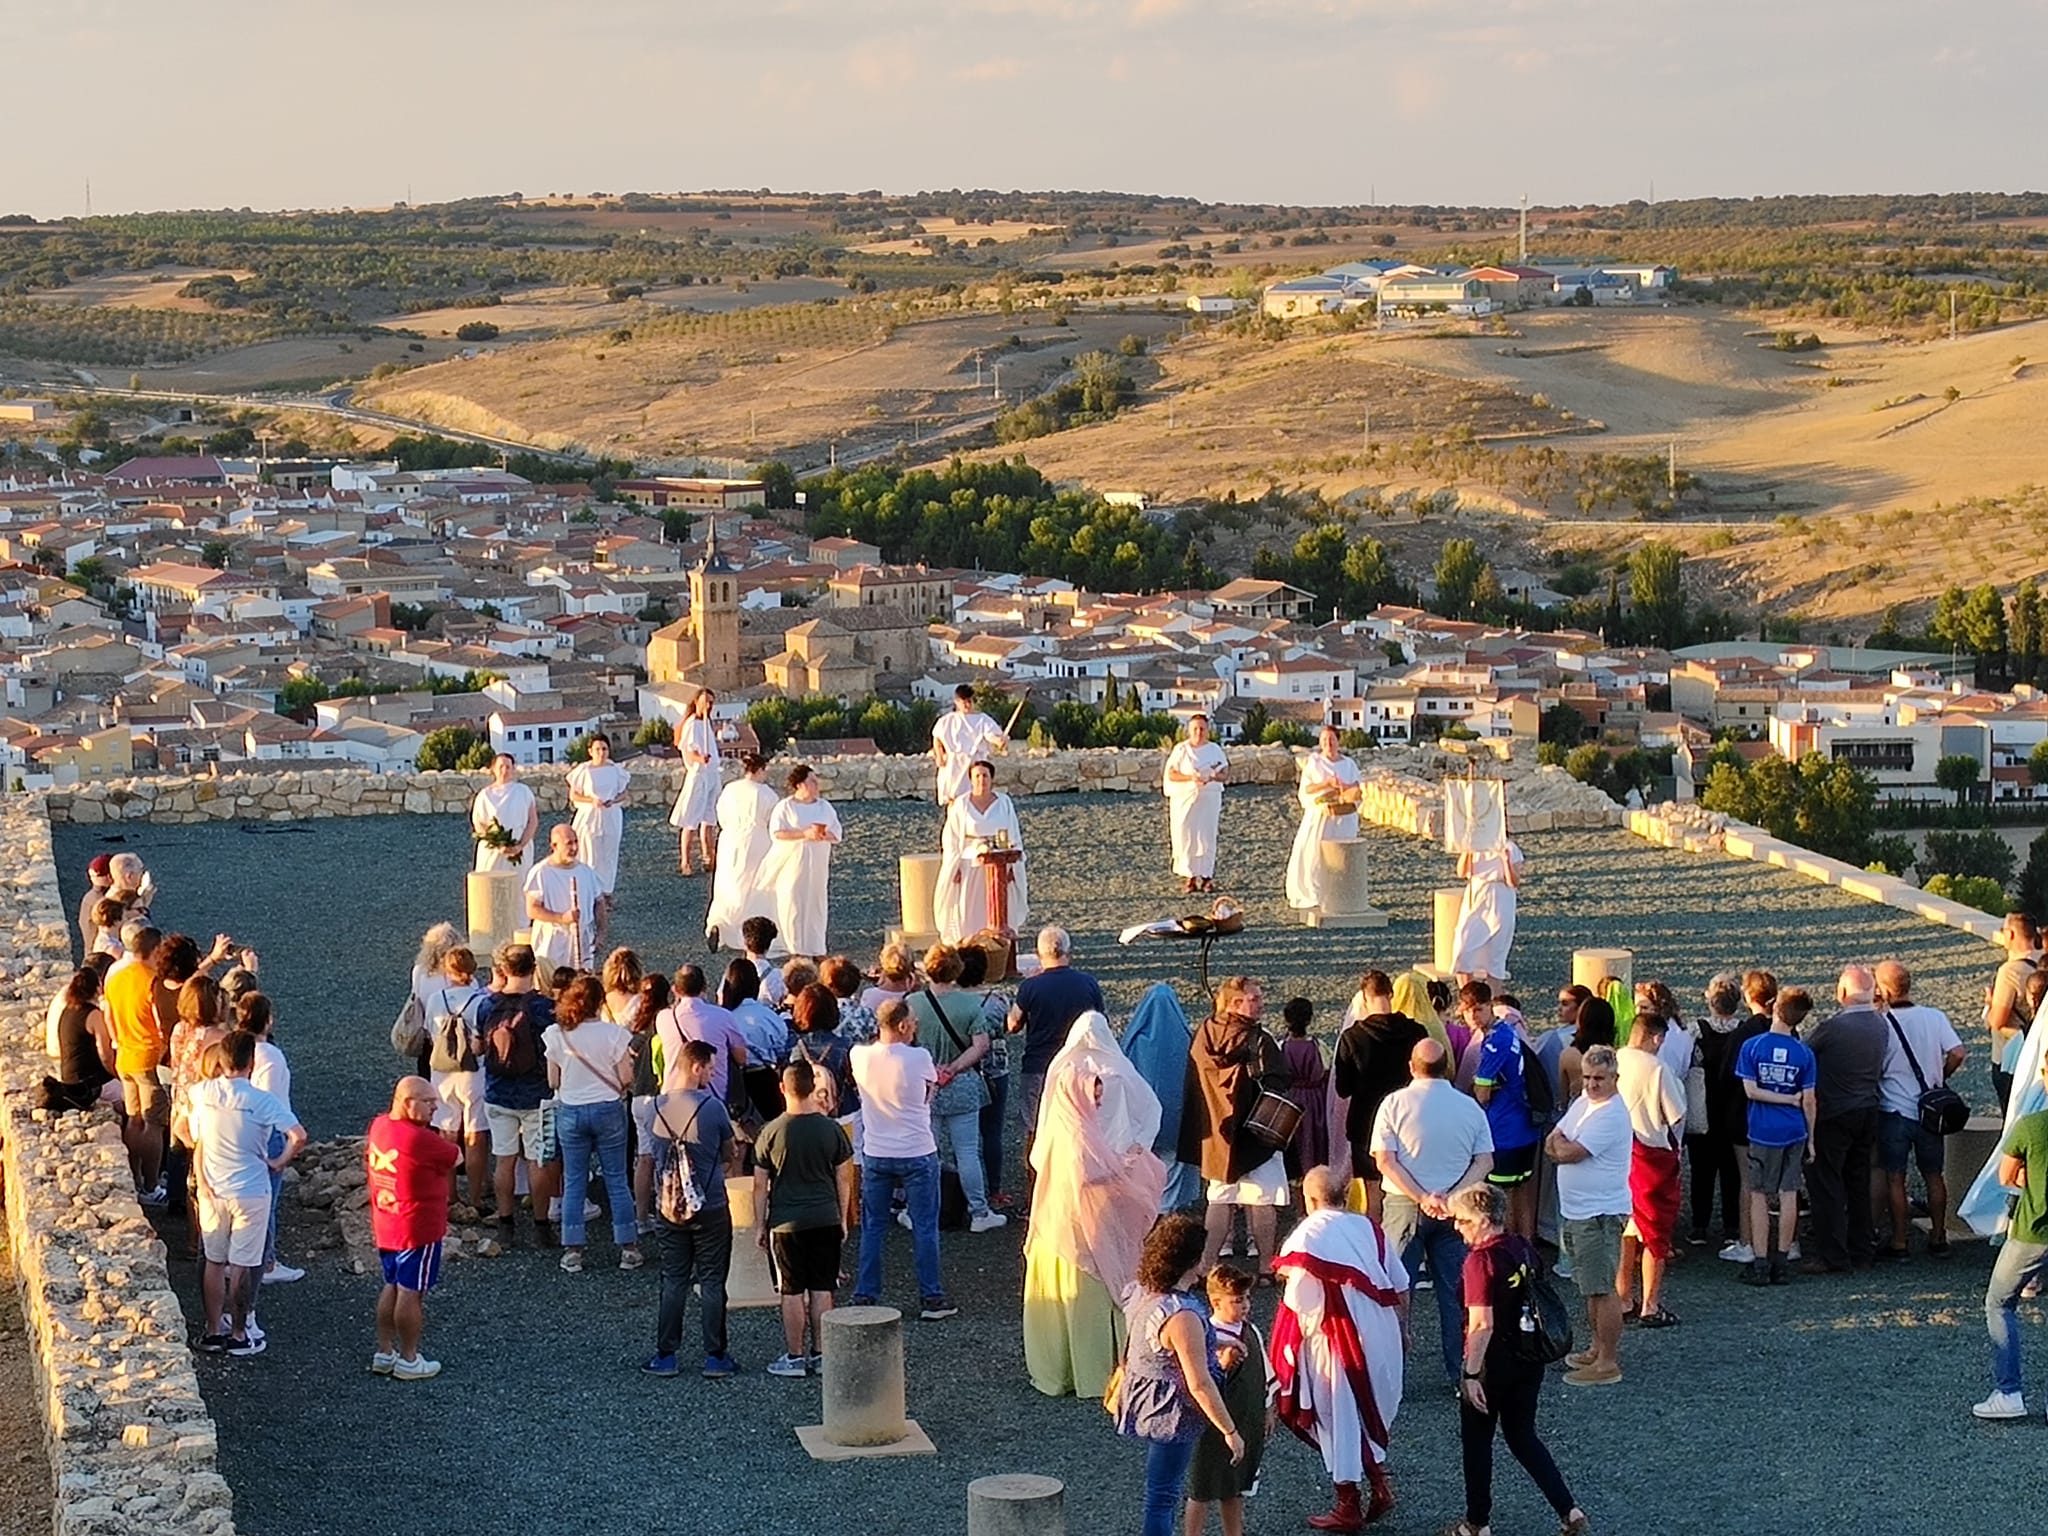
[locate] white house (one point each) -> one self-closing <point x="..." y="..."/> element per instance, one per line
<point x="540" y="736"/>
<point x="1214" y="305"/>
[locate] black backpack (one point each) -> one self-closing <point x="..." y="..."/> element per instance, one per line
<point x="512" y="1048"/>
<point x="1538" y="1091"/>
<point x="1544" y="1330"/>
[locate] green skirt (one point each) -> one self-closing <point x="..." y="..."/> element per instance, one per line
<point x="1073" y="1330"/>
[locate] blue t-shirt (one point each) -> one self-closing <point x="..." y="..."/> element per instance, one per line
<point x="1500" y="1068"/>
<point x="1050" y="1002"/>
<point x="1779" y="1064"/>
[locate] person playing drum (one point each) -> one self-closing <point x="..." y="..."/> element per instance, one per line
<point x="1233" y="1066"/>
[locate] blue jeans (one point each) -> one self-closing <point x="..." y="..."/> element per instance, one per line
<point x="1166" y="1473"/>
<point x="276" y="1193"/>
<point x="919" y="1180"/>
<point x="1412" y="1234"/>
<point x="2017" y="1263"/>
<point x="600" y="1129"/>
<point x="992" y="1131"/>
<point x="964" y="1132"/>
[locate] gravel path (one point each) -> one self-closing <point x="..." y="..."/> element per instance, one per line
<point x="1832" y="1406"/>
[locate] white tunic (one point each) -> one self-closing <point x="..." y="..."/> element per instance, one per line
<point x="697" y="804"/>
<point x="961" y="906"/>
<point x="966" y="738"/>
<point x="798" y="873"/>
<point x="599" y="828"/>
<point x="1194" y="810"/>
<point x="1319" y="776"/>
<point x="510" y="806"/>
<point x="555" y="943"/>
<point x="1340" y="1238"/>
<point x="1486" y="921"/>
<point x="738" y="888"/>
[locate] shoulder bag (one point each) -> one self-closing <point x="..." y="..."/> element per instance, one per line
<point x="1942" y="1110"/>
<point x="960" y="1049"/>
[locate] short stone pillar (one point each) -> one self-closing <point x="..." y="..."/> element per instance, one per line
<point x="1016" y="1504"/>
<point x="747" y="1280"/>
<point x="495" y="911"/>
<point x="1343" y="887"/>
<point x="917" y="878"/>
<point x="1450" y="901"/>
<point x="864" y="1402"/>
<point x="1593" y="968"/>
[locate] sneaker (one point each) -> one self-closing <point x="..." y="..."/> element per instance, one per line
<point x="1578" y="1359"/>
<point x="903" y="1221"/>
<point x="282" y="1274"/>
<point x="213" y="1344"/>
<point x="1792" y="1254"/>
<point x="242" y="1349"/>
<point x="1697" y="1238"/>
<point x="991" y="1222"/>
<point x="418" y="1368"/>
<point x="718" y="1367"/>
<point x="572" y="1261"/>
<point x="1593" y="1376"/>
<point x="382" y="1362"/>
<point x="1562" y="1268"/>
<point x="662" y="1365"/>
<point x="631" y="1258"/>
<point x="1738" y="1253"/>
<point x="1427" y="1284"/>
<point x="817" y="1364"/>
<point x="591" y="1210"/>
<point x="936" y="1309"/>
<point x="154" y="1199"/>
<point x="789" y="1365"/>
<point x="2001" y="1406"/>
<point x="252" y="1328"/>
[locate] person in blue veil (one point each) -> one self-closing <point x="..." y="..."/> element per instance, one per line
<point x="1158" y="1041"/>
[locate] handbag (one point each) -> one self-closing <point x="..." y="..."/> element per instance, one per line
<point x="1942" y="1110"/>
<point x="1545" y="1335"/>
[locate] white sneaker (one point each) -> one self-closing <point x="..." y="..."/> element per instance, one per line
<point x="903" y="1221"/>
<point x="419" y="1368"/>
<point x="381" y="1363"/>
<point x="591" y="1211"/>
<point x="1792" y="1254"/>
<point x="2001" y="1405"/>
<point x="1738" y="1253"/>
<point x="989" y="1223"/>
<point x="253" y="1331"/>
<point x="1562" y="1268"/>
<point x="283" y="1274"/>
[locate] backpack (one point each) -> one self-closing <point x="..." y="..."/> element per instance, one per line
<point x="1538" y="1091"/>
<point x="453" y="1050"/>
<point x="676" y="1193"/>
<point x="509" y="1048"/>
<point x="1544" y="1334"/>
<point x="409" y="1029"/>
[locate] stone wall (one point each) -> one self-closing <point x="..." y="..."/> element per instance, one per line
<point x="132" y="1447"/>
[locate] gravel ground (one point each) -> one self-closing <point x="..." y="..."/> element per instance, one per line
<point x="1734" y="1419"/>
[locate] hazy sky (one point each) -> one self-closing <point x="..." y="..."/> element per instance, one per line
<point x="292" y="103"/>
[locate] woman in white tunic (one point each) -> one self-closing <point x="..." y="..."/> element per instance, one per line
<point x="1194" y="801"/>
<point x="696" y="808"/>
<point x="1329" y="813"/>
<point x="799" y="870"/>
<point x="738" y="888"/>
<point x="977" y="821"/>
<point x="506" y="803"/>
<point x="597" y="789"/>
<point x="1486" y="921"/>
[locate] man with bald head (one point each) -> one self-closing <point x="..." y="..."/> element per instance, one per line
<point x="1921" y="1049"/>
<point x="410" y="1168"/>
<point x="1848" y="1052"/>
<point x="1430" y="1141"/>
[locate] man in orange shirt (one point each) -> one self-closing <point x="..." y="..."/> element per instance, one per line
<point x="139" y="1044"/>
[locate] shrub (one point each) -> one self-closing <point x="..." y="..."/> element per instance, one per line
<point x="1969" y="855"/>
<point x="1971" y="891"/>
<point x="476" y="330"/>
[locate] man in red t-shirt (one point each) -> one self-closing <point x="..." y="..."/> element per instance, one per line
<point x="408" y="1165"/>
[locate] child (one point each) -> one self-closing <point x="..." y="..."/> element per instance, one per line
<point x="758" y="936"/>
<point x="1241" y="1352"/>
<point x="1308" y="1083"/>
<point x="1777" y="1073"/>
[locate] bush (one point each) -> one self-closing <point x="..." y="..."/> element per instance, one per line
<point x="454" y="746"/>
<point x="476" y="330"/>
<point x="1971" y="891"/>
<point x="1969" y="855"/>
<point x="654" y="733"/>
<point x="1892" y="854"/>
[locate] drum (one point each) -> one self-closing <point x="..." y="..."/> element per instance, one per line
<point x="1274" y="1120"/>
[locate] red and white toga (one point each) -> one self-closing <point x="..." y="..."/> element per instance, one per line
<point x="1336" y="1346"/>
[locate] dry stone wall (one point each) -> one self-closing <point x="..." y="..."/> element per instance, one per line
<point x="132" y="1447"/>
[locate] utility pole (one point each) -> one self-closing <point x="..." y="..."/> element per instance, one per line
<point x="1366" y="443"/>
<point x="998" y="370"/>
<point x="977" y="373"/>
<point x="1524" y="258"/>
<point x="1951" y="314"/>
<point x="1671" y="469"/>
<point x="88" y="197"/>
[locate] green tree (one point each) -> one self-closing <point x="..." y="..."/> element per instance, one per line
<point x="297" y="697"/>
<point x="1982" y="854"/>
<point x="478" y="757"/>
<point x="1957" y="773"/>
<point x="2025" y="632"/>
<point x="2033" y="883"/>
<point x="1587" y="764"/>
<point x="477" y="330"/>
<point x="1458" y="569"/>
<point x="1892" y="854"/>
<point x="1889" y="635"/>
<point x="1983" y="628"/>
<point x="654" y="733"/>
<point x="448" y="746"/>
<point x="1256" y="719"/>
<point x="2037" y="767"/>
<point x="1657" y="595"/>
<point x="1562" y="725"/>
<point x="215" y="553"/>
<point x="1109" y="697"/>
<point x="779" y="483"/>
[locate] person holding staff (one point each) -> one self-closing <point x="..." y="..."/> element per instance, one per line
<point x="696" y="808"/>
<point x="1328" y="792"/>
<point x="980" y="820"/>
<point x="1486" y="921"/>
<point x="1194" y="799"/>
<point x="561" y="902"/>
<point x="959" y="739"/>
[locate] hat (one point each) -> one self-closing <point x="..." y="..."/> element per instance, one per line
<point x="101" y="864"/>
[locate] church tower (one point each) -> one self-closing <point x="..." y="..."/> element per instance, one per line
<point x="715" y="617"/>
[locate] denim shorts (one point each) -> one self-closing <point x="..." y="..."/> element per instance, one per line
<point x="1900" y="1137"/>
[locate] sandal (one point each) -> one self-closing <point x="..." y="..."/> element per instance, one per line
<point x="1631" y="1314"/>
<point x="1663" y="1317"/>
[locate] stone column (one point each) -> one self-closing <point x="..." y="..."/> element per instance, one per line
<point x="1344" y="887"/>
<point x="495" y="912"/>
<point x="1592" y="967"/>
<point x="1016" y="1504"/>
<point x="748" y="1282"/>
<point x="1450" y="900"/>
<point x="864" y="1416"/>
<point x="917" y="876"/>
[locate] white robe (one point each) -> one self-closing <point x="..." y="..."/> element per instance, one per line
<point x="599" y="829"/>
<point x="510" y="806"/>
<point x="799" y="872"/>
<point x="555" y="943"/>
<point x="738" y="890"/>
<point x="1194" y="810"/>
<point x="1319" y="775"/>
<point x="697" y="804"/>
<point x="1341" y="1433"/>
<point x="1486" y="920"/>
<point x="961" y="907"/>
<point x="966" y="738"/>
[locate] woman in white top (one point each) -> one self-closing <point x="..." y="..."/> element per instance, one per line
<point x="1486" y="921"/>
<point x="590" y="1069"/>
<point x="799" y="870"/>
<point x="696" y="808"/>
<point x="428" y="964"/>
<point x="976" y="822"/>
<point x="508" y="804"/>
<point x="1328" y="792"/>
<point x="597" y="789"/>
<point x="270" y="1073"/>
<point x="744" y="843"/>
<point x="1194" y="800"/>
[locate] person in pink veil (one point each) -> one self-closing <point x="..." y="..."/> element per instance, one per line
<point x="1098" y="1189"/>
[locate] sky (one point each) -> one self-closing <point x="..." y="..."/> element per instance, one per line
<point x="304" y="104"/>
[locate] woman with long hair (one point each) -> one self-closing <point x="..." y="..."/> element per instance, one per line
<point x="590" y="1069"/>
<point x="799" y="870"/>
<point x="655" y="996"/>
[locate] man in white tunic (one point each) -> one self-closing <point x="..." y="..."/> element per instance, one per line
<point x="696" y="808"/>
<point x="738" y="891"/>
<point x="959" y="739"/>
<point x="1194" y="801"/>
<point x="503" y="807"/>
<point x="1336" y="1348"/>
<point x="597" y="790"/>
<point x="561" y="903"/>
<point x="1486" y="920"/>
<point x="1328" y="792"/>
